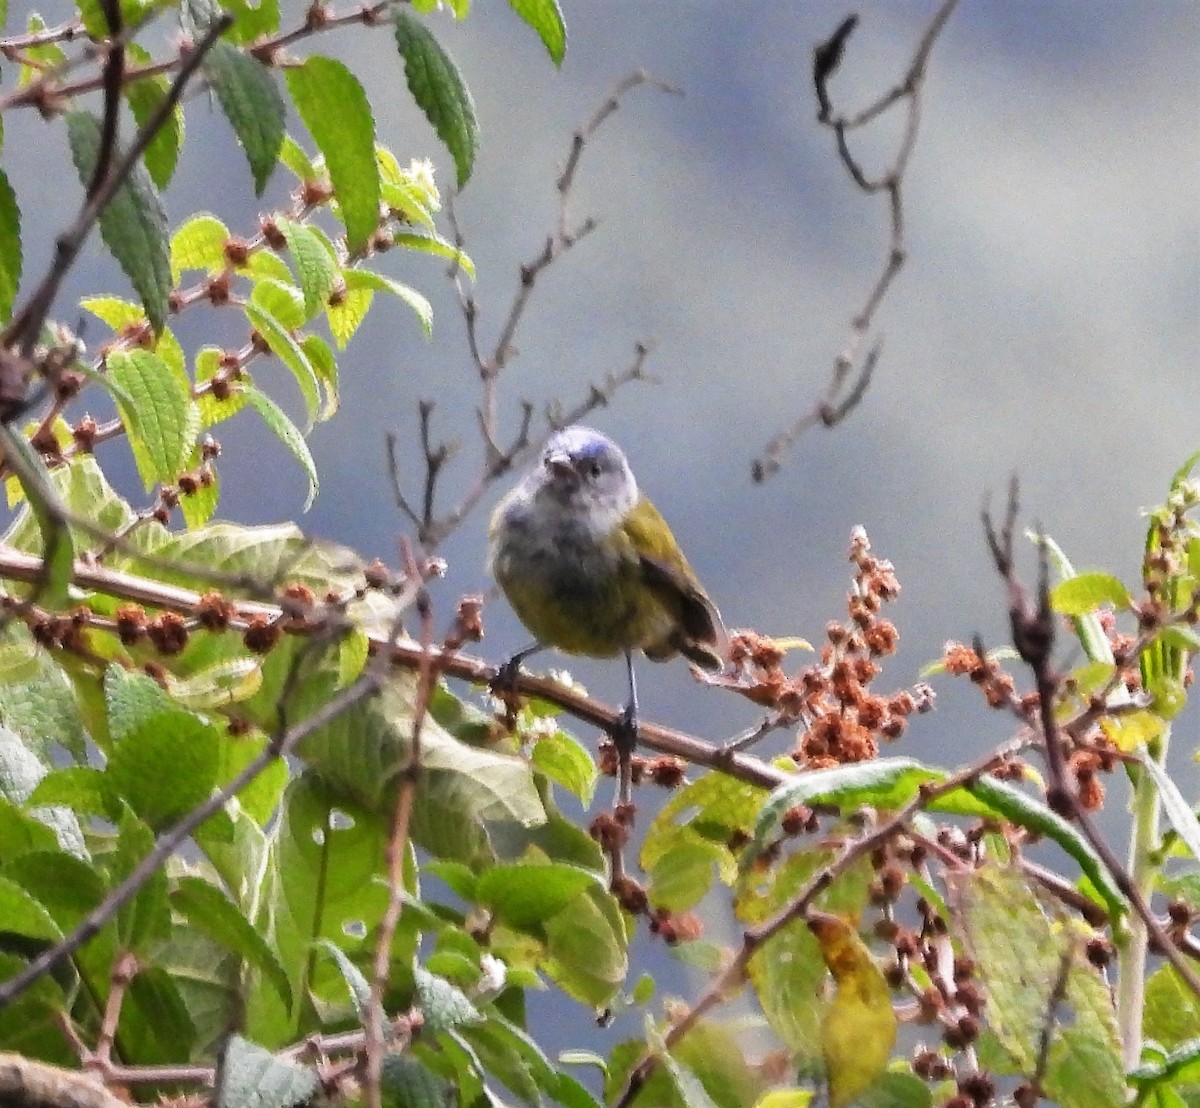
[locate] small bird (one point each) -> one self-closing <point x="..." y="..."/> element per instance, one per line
<point x="591" y="567"/>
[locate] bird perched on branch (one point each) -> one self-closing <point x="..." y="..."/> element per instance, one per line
<point x="591" y="567"/>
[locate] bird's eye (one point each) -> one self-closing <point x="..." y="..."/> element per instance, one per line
<point x="594" y="469"/>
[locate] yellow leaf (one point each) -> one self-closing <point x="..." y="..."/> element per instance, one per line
<point x="859" y="1027"/>
<point x="786" y="1098"/>
<point x="1128" y="732"/>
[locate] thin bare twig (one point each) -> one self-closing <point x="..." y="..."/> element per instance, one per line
<point x="847" y="385"/>
<point x="499" y="459"/>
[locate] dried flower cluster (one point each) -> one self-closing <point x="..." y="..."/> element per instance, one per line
<point x="844" y="719"/>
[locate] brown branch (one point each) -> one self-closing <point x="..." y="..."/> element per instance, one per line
<point x="12" y="45"/>
<point x="729" y="981"/>
<point x="114" y="69"/>
<point x="25" y="1083"/>
<point x="18" y="566"/>
<point x="846" y="386"/>
<point x="27" y="324"/>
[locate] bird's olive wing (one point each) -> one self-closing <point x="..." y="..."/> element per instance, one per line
<point x="699" y="616"/>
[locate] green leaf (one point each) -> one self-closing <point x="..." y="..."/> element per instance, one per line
<point x="247" y="94"/>
<point x="287" y="433"/>
<point x="199" y="244"/>
<point x="133" y="225"/>
<point x="1020" y="956"/>
<point x="21" y="914"/>
<point x="545" y="17"/>
<point x="146" y="919"/>
<point x="359" y="279"/>
<point x="165" y="767"/>
<point x="406" y="1083"/>
<point x="445" y="1006"/>
<point x="57" y="546"/>
<point x="436" y="245"/>
<point x="1177" y="809"/>
<point x="277" y="336"/>
<point x="252" y="1077"/>
<point x="144" y="97"/>
<point x="683" y="875"/>
<point x="587" y="948"/>
<point x="1079" y="595"/>
<point x="163" y="420"/>
<point x="884" y="783"/>
<point x="40" y="713"/>
<point x="346" y="312"/>
<point x="320" y="357"/>
<point x="209" y="910"/>
<point x="439" y="91"/>
<point x="338" y="116"/>
<point x="280" y="300"/>
<point x="10" y="247"/>
<point x="565" y="760"/>
<point x="292" y="156"/>
<point x="525" y="895"/>
<point x="315" y="268"/>
<point x="220" y="685"/>
<point x="356" y="981"/>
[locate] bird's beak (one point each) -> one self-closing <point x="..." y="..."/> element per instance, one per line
<point x="561" y="465"/>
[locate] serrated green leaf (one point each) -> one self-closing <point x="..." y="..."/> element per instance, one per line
<point x="587" y="948"/>
<point x="336" y="112"/>
<point x="884" y="783"/>
<point x="10" y="247"/>
<point x="287" y="433"/>
<point x="439" y="91"/>
<point x="133" y="225"/>
<point x="281" y="300"/>
<point x="1079" y="595"/>
<point x="144" y="97"/>
<point x="314" y="266"/>
<point x="406" y="1083"/>
<point x="545" y="17"/>
<point x="566" y="761"/>
<point x="210" y="911"/>
<point x="438" y="246"/>
<point x="292" y="156"/>
<point x="346" y="312"/>
<point x="281" y="343"/>
<point x="163" y="420"/>
<point x="166" y="767"/>
<point x="445" y="1006"/>
<point x="320" y="357"/>
<point x="199" y="244"/>
<point x="252" y="1077"/>
<point x="359" y="279"/>
<point x="247" y="94"/>
<point x="1020" y="954"/>
<point x="683" y="875"/>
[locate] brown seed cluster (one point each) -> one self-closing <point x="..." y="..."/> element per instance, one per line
<point x="845" y="719"/>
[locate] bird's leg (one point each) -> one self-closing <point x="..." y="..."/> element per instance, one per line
<point x="625" y="736"/>
<point x="504" y="684"/>
<point x="506" y="677"/>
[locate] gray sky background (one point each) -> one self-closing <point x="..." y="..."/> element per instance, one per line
<point x="1047" y="322"/>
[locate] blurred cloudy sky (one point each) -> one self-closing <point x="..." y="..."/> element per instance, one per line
<point x="1047" y="323"/>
